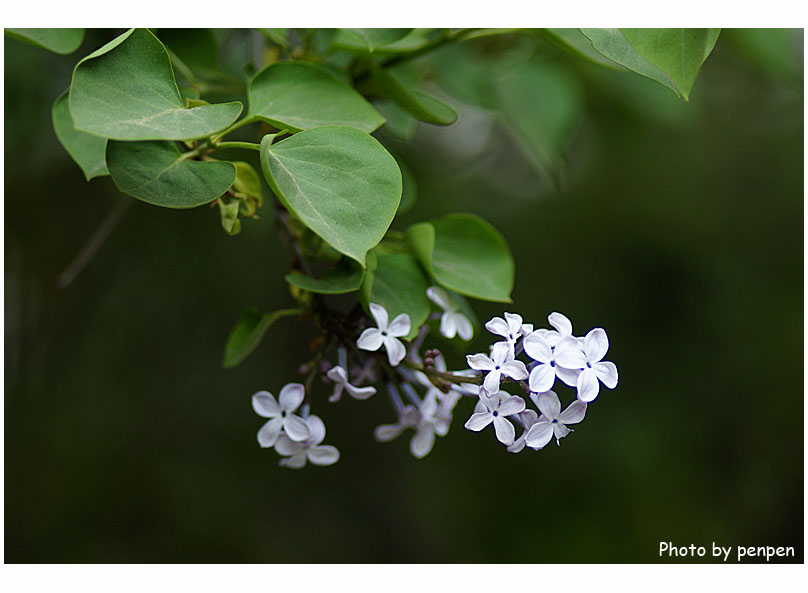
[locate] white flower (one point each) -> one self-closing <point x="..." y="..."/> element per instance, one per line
<point x="527" y="418"/>
<point x="564" y="364"/>
<point x="500" y="363"/>
<point x="509" y="328"/>
<point x="298" y="452"/>
<point x="595" y="346"/>
<point x="426" y="427"/>
<point x="563" y="329"/>
<point x="495" y="410"/>
<point x="281" y="415"/>
<point x="552" y="421"/>
<point x="407" y="418"/>
<point x="452" y="322"/>
<point x="386" y="335"/>
<point x="340" y="378"/>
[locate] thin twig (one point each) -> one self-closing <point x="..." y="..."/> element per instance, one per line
<point x="94" y="243"/>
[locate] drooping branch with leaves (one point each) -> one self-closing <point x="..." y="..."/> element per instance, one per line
<point x="315" y="113"/>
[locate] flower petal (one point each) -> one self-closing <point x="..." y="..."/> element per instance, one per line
<point x="515" y="369"/>
<point x="491" y="381"/>
<point x="423" y="441"/>
<point x="294" y="462"/>
<point x="561" y="323"/>
<point x="387" y="432"/>
<point x="596" y="344"/>
<point x="537" y="348"/>
<point x="511" y="405"/>
<point x="464" y="328"/>
<point x="497" y="326"/>
<point x="265" y="404"/>
<point x="317" y="428"/>
<point x="360" y="392"/>
<point x="291" y="396"/>
<point x="568" y="376"/>
<point x="588" y="385"/>
<point x="336" y="395"/>
<point x="514" y="322"/>
<point x="323" y="455"/>
<point x="502" y="352"/>
<point x="560" y="431"/>
<point x="539" y="434"/>
<point x="395" y="350"/>
<point x="574" y="413"/>
<point x="606" y="372"/>
<point x="480" y="362"/>
<point x="517" y="445"/>
<point x="400" y="326"/>
<point x="569" y="355"/>
<point x="440" y="297"/>
<point x="337" y="374"/>
<point x="371" y="339"/>
<point x="447" y="326"/>
<point x="504" y="430"/>
<point x="380" y="315"/>
<point x="296" y="428"/>
<point x="541" y="378"/>
<point x="286" y="446"/>
<point x="269" y="432"/>
<point x="548" y="404"/>
<point x="478" y="421"/>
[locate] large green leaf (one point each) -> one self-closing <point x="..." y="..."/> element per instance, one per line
<point x="197" y="48"/>
<point x="299" y="96"/>
<point x="87" y="150"/>
<point x="419" y="105"/>
<point x="671" y="57"/>
<point x="60" y="41"/>
<point x="339" y="181"/>
<point x="368" y="40"/>
<point x="345" y="276"/>
<point x="248" y="333"/>
<point x="465" y="254"/>
<point x="157" y="173"/>
<point x="399" y="285"/>
<point x="126" y="91"/>
<point x="576" y="43"/>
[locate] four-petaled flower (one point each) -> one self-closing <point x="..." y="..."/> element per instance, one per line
<point x="527" y="418"/>
<point x="509" y="328"/>
<point x="386" y="335"/>
<point x="564" y="364"/>
<point x="452" y="322"/>
<point x="552" y="422"/>
<point x="281" y="415"/>
<point x="340" y="378"/>
<point x="407" y="418"/>
<point x="296" y="453"/>
<point x="500" y="363"/>
<point x="590" y="360"/>
<point x="494" y="410"/>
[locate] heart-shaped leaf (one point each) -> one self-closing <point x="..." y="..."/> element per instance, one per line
<point x="60" y="41"/>
<point x="464" y="253"/>
<point x="248" y="333"/>
<point x="157" y="173"/>
<point x="126" y="91"/>
<point x="87" y="150"/>
<point x="300" y="95"/>
<point x="419" y="105"/>
<point x="339" y="181"/>
<point x="345" y="276"/>
<point x="399" y="285"/>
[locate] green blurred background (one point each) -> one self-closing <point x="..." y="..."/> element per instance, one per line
<point x="676" y="226"/>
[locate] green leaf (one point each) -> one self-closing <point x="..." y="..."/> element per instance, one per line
<point x="248" y="333"/>
<point x="577" y="44"/>
<point x="671" y="57"/>
<point x="409" y="188"/>
<point x="368" y="40"/>
<point x="299" y="96"/>
<point x="248" y="183"/>
<point x="679" y="53"/>
<point x="228" y="211"/>
<point x="157" y="173"/>
<point x="344" y="277"/>
<point x="465" y="254"/>
<point x="60" y="41"/>
<point x="399" y="285"/>
<point x="87" y="150"/>
<point x="339" y="181"/>
<point x="126" y="91"/>
<point x="197" y="48"/>
<point x="279" y="36"/>
<point x="419" y="105"/>
<point x="541" y="104"/>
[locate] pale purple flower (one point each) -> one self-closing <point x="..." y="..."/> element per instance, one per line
<point x="563" y="329"/>
<point x="386" y="335"/>
<point x="590" y="358"/>
<point x="452" y="322"/>
<point x="527" y="418"/>
<point x="501" y="363"/>
<point x="297" y="453"/>
<point x="509" y="328"/>
<point x="340" y="378"/>
<point x="552" y="363"/>
<point x="552" y="422"/>
<point x="494" y="410"/>
<point x="281" y="415"/>
<point x="407" y="418"/>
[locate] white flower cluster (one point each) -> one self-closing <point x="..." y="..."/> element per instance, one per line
<point x="576" y="361"/>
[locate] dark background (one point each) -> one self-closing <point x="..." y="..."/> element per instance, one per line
<point x="678" y="228"/>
